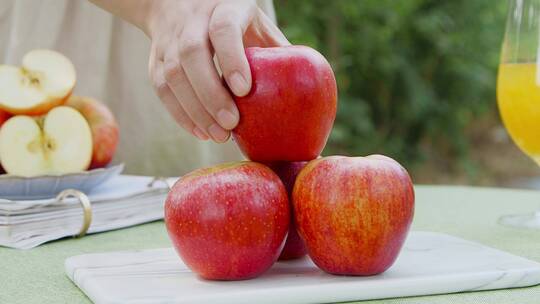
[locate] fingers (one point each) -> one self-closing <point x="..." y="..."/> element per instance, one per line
<point x="184" y="92"/>
<point x="168" y="98"/>
<point x="185" y="76"/>
<point x="197" y="62"/>
<point x="174" y="107"/>
<point x="226" y="30"/>
<point x="231" y="24"/>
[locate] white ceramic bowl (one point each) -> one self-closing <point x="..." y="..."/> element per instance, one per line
<point x="48" y="186"/>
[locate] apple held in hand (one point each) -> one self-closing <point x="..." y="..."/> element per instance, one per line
<point x="228" y="222"/>
<point x="353" y="213"/>
<point x="58" y="143"/>
<point x="290" y="110"/>
<point x="103" y="126"/>
<point x="287" y="172"/>
<point x="45" y="80"/>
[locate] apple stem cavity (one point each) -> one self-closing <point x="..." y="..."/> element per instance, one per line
<point x="31" y="78"/>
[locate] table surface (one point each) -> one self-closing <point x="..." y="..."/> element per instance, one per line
<point x="37" y="275"/>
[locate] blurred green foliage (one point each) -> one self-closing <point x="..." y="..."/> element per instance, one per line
<point x="411" y="73"/>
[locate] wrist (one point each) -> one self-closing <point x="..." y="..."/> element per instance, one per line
<point x="146" y="20"/>
<point x="136" y="12"/>
<point x="143" y="18"/>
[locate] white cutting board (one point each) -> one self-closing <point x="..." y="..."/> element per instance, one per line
<point x="430" y="263"/>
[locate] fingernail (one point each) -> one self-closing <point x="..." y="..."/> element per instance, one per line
<point x="238" y="84"/>
<point x="200" y="134"/>
<point x="227" y="119"/>
<point x="218" y="134"/>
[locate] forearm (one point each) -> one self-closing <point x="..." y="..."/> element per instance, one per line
<point x="133" y="11"/>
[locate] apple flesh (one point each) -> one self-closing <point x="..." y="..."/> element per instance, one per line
<point x="103" y="126"/>
<point x="290" y="110"/>
<point x="354" y="213"/>
<point x="287" y="172"/>
<point x="44" y="81"/>
<point x="57" y="143"/>
<point x="228" y="222"/>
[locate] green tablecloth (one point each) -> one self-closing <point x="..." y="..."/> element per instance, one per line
<point x="37" y="275"/>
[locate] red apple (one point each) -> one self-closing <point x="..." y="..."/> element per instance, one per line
<point x="354" y="213"/>
<point x="103" y="126"/>
<point x="3" y="117"/>
<point x="287" y="172"/>
<point x="290" y="110"/>
<point x="228" y="222"/>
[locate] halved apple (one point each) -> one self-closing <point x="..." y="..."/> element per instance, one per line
<point x="58" y="143"/>
<point x="45" y="80"/>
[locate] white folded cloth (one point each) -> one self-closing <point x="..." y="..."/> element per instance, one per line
<point x="123" y="201"/>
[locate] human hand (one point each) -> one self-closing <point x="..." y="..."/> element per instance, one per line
<point x="185" y="36"/>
